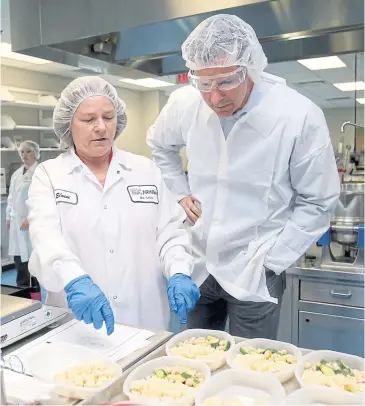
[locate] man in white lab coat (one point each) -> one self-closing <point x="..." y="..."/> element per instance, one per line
<point x="262" y="179"/>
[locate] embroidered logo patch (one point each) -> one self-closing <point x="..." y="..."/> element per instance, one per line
<point x="143" y="194"/>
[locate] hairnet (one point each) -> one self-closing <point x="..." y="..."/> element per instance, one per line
<point x="224" y="40"/>
<point x="74" y="94"/>
<point x="31" y="145"/>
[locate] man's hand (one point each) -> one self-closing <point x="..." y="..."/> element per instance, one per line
<point x="191" y="206"/>
<point x="25" y="225"/>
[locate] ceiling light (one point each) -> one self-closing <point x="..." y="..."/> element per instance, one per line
<point x="327" y="62"/>
<point x="5" y="52"/>
<point x="361" y="100"/>
<point x="350" y="86"/>
<point x="147" y="82"/>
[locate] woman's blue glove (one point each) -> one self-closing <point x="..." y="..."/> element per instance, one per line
<point x="183" y="294"/>
<point x="88" y="303"/>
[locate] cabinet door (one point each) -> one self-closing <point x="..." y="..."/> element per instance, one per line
<point x="326" y="332"/>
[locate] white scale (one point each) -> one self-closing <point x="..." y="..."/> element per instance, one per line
<point x="22" y="317"/>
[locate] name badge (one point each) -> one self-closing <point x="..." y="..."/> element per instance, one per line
<point x="63" y="196"/>
<point x="143" y="194"/>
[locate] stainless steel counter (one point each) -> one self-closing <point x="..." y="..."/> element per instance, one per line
<point x="316" y="272"/>
<point x="325" y="309"/>
<point x="127" y="363"/>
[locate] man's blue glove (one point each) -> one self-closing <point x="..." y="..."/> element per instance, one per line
<point x="88" y="303"/>
<point x="183" y="294"/>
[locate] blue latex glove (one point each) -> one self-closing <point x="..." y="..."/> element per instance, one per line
<point x="88" y="303"/>
<point x="183" y="294"/>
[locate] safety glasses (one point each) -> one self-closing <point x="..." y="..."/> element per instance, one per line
<point x="226" y="81"/>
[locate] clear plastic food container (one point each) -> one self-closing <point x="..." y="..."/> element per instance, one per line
<point x="352" y="361"/>
<point x="264" y="343"/>
<point x="217" y="360"/>
<point x="245" y="385"/>
<point x="52" y="358"/>
<point x="147" y="369"/>
<point x="320" y="395"/>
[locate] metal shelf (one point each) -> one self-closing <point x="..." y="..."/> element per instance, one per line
<point x="41" y="149"/>
<point x="50" y="149"/>
<point x="32" y="105"/>
<point x="28" y="128"/>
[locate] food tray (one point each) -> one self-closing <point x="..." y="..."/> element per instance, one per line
<point x="282" y="376"/>
<point x="215" y="363"/>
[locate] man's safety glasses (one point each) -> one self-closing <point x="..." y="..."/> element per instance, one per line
<point x="226" y="81"/>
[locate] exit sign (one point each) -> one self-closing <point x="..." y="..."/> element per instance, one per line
<point x="182" y="78"/>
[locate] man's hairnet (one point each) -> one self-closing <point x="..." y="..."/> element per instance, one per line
<point x="224" y="40"/>
<point x="73" y="95"/>
<point x="30" y="145"/>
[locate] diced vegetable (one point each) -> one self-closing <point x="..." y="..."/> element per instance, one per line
<point x="185" y="375"/>
<point x="160" y="373"/>
<point x="326" y="370"/>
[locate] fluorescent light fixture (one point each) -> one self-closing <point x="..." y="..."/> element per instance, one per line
<point x="361" y="100"/>
<point x="6" y="52"/>
<point x="350" y="86"/>
<point x="147" y="82"/>
<point x="327" y="62"/>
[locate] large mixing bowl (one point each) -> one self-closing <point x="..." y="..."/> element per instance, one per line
<point x="350" y="208"/>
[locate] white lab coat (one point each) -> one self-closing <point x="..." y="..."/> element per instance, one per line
<point x="127" y="236"/>
<point x="17" y="212"/>
<point x="266" y="193"/>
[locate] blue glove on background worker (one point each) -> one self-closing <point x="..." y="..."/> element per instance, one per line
<point x="183" y="294"/>
<point x="88" y="303"/>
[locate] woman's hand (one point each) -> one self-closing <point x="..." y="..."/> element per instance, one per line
<point x="25" y="225"/>
<point x="88" y="303"/>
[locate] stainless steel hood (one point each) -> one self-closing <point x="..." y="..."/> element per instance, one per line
<point x="112" y="36"/>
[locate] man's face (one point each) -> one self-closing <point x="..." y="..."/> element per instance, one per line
<point x="222" y="99"/>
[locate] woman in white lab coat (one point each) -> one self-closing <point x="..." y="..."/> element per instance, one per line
<point x="104" y="228"/>
<point x="17" y="211"/>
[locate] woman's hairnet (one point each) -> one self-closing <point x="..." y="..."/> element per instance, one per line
<point x="224" y="40"/>
<point x="30" y="145"/>
<point x="73" y="95"/>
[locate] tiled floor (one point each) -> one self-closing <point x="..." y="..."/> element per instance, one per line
<point x="9" y="278"/>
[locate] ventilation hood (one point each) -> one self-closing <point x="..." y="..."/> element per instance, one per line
<point x="141" y="38"/>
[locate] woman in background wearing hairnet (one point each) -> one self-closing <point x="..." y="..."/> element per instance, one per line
<point x="17" y="211"/>
<point x="105" y="229"/>
<point x="262" y="181"/>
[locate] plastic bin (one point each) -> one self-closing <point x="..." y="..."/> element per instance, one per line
<point x="282" y="376"/>
<point x="319" y="395"/>
<point x="147" y="369"/>
<point x="213" y="363"/>
<point x="313" y="357"/>
<point x="52" y="358"/>
<point x="233" y="383"/>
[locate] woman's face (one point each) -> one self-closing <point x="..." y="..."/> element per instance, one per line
<point x="27" y="155"/>
<point x="93" y="127"/>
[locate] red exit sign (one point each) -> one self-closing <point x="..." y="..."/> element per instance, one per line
<point x="182" y="78"/>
